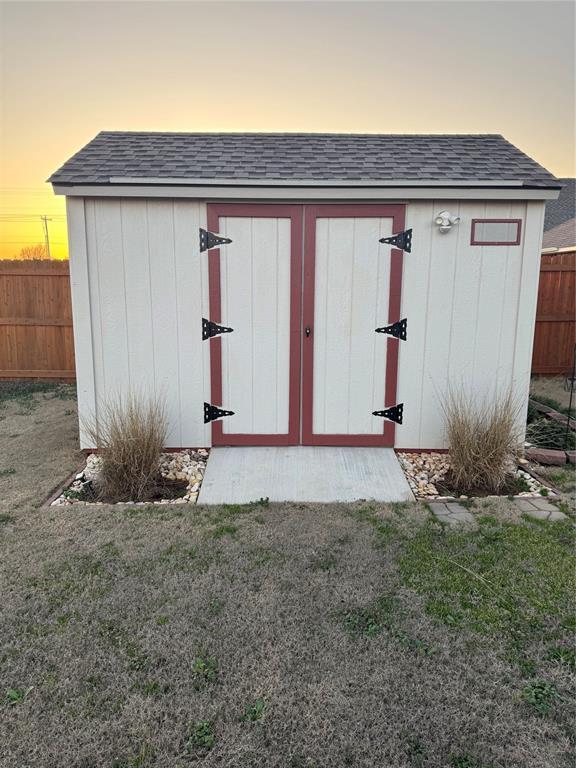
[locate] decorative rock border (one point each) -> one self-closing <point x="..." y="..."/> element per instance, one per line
<point x="425" y="470"/>
<point x="188" y="465"/>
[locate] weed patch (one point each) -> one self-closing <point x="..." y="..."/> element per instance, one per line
<point x="17" y="695"/>
<point x="254" y="712"/>
<point x="205" y="670"/>
<point x="540" y="694"/>
<point x="202" y="737"/>
<point x="224" y="530"/>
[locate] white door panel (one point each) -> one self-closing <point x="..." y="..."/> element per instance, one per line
<point x="352" y="284"/>
<point x="255" y="301"/>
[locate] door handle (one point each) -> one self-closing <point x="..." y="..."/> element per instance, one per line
<point x="308" y="329"/>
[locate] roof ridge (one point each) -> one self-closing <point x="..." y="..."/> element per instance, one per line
<point x="296" y="133"/>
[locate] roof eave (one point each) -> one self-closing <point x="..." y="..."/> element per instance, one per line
<point x="316" y="191"/>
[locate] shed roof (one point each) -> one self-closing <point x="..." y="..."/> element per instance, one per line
<point x="564" y="207"/>
<point x="313" y="158"/>
<point x="561" y="236"/>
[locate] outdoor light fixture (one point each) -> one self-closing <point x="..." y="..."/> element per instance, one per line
<point x="445" y="220"/>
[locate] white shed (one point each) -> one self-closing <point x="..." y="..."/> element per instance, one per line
<point x="317" y="289"/>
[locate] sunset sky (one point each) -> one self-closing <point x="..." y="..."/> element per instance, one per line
<point x="71" y="69"/>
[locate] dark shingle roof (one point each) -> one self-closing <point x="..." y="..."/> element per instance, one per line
<point x="562" y="209"/>
<point x="313" y="157"/>
<point x="561" y="236"/>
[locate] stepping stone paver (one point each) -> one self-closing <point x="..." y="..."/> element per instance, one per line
<point x="539" y="509"/>
<point x="452" y="514"/>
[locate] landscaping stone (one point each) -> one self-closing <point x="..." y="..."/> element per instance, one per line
<point x="571" y="456"/>
<point x="425" y="471"/>
<point x="546" y="456"/>
<point x="187" y="466"/>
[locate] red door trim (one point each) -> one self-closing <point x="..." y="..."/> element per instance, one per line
<point x="293" y="212"/>
<point x="311" y="213"/>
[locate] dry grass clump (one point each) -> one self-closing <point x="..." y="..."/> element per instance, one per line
<point x="484" y="441"/>
<point x="131" y="433"/>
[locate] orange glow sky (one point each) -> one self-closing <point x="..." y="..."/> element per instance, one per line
<point x="71" y="69"/>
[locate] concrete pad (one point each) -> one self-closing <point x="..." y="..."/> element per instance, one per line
<point x="238" y="475"/>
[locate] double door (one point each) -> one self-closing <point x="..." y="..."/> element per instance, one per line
<point x="303" y="288"/>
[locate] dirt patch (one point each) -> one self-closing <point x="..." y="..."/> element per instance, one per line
<point x="546" y="388"/>
<point x="38" y="443"/>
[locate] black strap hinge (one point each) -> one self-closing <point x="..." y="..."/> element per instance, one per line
<point x="211" y="240"/>
<point x="402" y="240"/>
<point x="398" y="330"/>
<point x="212" y="412"/>
<point x="394" y="413"/>
<point x="210" y="329"/>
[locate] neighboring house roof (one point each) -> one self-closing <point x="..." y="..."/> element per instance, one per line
<point x="130" y="157"/>
<point x="562" y="236"/>
<point x="564" y="207"/>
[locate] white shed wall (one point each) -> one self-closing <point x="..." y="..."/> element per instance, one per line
<point x="471" y="312"/>
<point x="140" y="290"/>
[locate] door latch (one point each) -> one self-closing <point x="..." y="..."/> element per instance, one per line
<point x="308" y="329"/>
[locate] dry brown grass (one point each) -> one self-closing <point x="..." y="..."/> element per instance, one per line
<point x="105" y="611"/>
<point x="131" y="432"/>
<point x="483" y="439"/>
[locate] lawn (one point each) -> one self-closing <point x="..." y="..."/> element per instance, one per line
<point x="301" y="636"/>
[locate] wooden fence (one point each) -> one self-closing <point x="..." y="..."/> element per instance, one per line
<point x="36" y="338"/>
<point x="555" y="334"/>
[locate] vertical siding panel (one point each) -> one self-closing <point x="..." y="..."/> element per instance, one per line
<point x="465" y="304"/>
<point x="192" y="361"/>
<point x="164" y="311"/>
<point x="205" y="288"/>
<point x="82" y="313"/>
<point x="489" y="332"/>
<point x="110" y="263"/>
<point x="416" y="274"/>
<point x="526" y="316"/>
<point x="95" y="307"/>
<point x="442" y="265"/>
<point x="138" y="298"/>
<point x="511" y="293"/>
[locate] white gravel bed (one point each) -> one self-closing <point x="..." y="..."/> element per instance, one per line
<point x="425" y="470"/>
<point x="188" y="465"/>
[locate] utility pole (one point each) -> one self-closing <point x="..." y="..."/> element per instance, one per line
<point x="45" y="221"/>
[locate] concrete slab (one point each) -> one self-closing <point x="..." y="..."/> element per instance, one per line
<point x="303" y="473"/>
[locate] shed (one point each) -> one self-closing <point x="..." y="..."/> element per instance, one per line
<point x="317" y="289"/>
